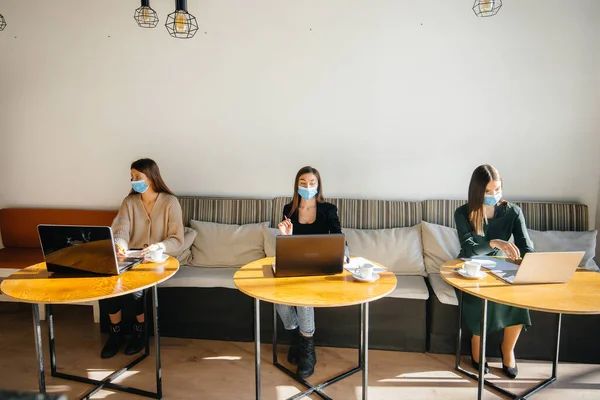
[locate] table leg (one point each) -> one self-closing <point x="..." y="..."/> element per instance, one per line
<point x="50" y="318"/>
<point x="459" y="336"/>
<point x="365" y="350"/>
<point x="274" y="335"/>
<point x="157" y="343"/>
<point x="257" y="347"/>
<point x="482" y="343"/>
<point x="37" y="333"/>
<point x="557" y="347"/>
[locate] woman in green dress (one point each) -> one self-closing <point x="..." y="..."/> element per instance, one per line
<point x="484" y="226"/>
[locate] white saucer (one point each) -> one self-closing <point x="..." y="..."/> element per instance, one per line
<point x="163" y="259"/>
<point x="463" y="273"/>
<point x="374" y="277"/>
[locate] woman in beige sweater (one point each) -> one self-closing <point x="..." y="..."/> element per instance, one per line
<point x="149" y="219"/>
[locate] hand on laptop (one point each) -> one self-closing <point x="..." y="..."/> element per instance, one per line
<point x="509" y="249"/>
<point x="285" y="227"/>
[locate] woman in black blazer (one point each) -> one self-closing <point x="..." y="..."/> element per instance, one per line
<point x="307" y="214"/>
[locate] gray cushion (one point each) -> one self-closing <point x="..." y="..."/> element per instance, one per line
<point x="410" y="287"/>
<point x="443" y="290"/>
<point x="202" y="277"/>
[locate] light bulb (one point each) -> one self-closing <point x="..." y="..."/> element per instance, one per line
<point x="146" y="15"/>
<point x="486" y="6"/>
<point x="181" y="23"/>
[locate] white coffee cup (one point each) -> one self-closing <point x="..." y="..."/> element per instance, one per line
<point x="156" y="255"/>
<point x="366" y="270"/>
<point x="472" y="268"/>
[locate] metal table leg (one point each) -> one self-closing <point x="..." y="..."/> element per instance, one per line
<point x="37" y="333"/>
<point x="365" y="349"/>
<point x="107" y="382"/>
<point x="482" y="343"/>
<point x="481" y="382"/>
<point x="257" y="347"/>
<point x="317" y="389"/>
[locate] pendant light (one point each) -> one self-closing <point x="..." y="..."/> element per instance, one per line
<point x="486" y="8"/>
<point x="145" y="16"/>
<point x="180" y="23"/>
<point x="2" y="23"/>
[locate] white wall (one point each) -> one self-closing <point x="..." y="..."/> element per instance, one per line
<point x="388" y="98"/>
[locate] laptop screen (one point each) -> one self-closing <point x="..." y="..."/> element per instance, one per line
<point x="82" y="248"/>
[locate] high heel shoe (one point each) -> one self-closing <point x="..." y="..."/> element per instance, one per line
<point x="511" y="372"/>
<point x="475" y="364"/>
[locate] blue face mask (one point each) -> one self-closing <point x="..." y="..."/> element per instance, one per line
<point x="139" y="186"/>
<point x="307" y="193"/>
<point x="492" y="200"/>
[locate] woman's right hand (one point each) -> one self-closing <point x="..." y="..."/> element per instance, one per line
<point x="120" y="251"/>
<point x="509" y="249"/>
<point x="286" y="227"/>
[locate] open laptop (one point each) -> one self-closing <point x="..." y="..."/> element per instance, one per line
<point x="541" y="268"/>
<point x="72" y="249"/>
<point x="304" y="255"/>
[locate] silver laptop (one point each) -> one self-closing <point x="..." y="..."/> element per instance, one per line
<point x="541" y="268"/>
<point x="305" y="255"/>
<point x="76" y="249"/>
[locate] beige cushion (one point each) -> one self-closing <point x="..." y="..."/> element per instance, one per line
<point x="184" y="256"/>
<point x="269" y="236"/>
<point x="223" y="245"/>
<point x="398" y="249"/>
<point x="410" y="287"/>
<point x="202" y="277"/>
<point x="440" y="244"/>
<point x="442" y="290"/>
<point x="546" y="241"/>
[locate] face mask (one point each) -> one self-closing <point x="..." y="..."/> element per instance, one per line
<point x="139" y="186"/>
<point x="490" y="200"/>
<point x="307" y="193"/>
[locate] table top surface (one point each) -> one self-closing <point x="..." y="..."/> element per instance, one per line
<point x="257" y="280"/>
<point x="36" y="285"/>
<point x="581" y="295"/>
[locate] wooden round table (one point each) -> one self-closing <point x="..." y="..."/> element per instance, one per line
<point x="257" y="280"/>
<point x="36" y="285"/>
<point x="581" y="295"/>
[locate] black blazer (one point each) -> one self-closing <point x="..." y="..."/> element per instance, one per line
<point x="327" y="220"/>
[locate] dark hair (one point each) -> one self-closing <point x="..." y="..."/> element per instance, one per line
<point x="482" y="175"/>
<point x="296" y="197"/>
<point x="149" y="168"/>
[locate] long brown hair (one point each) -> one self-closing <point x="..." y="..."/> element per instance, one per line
<point x="482" y="175"/>
<point x="296" y="199"/>
<point x="149" y="168"/>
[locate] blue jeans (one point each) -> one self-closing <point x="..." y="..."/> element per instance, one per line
<point x="297" y="317"/>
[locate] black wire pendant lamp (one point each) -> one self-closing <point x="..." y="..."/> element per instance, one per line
<point x="180" y="23"/>
<point x="145" y="16"/>
<point x="2" y="23"/>
<point x="486" y="8"/>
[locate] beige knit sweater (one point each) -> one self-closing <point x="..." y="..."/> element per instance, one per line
<point x="133" y="227"/>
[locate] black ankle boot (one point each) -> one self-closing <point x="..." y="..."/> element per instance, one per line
<point x="294" y="347"/>
<point x="508" y="371"/>
<point x="114" y="342"/>
<point x="307" y="357"/>
<point x="137" y="341"/>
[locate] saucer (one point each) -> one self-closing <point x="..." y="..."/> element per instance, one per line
<point x="163" y="259"/>
<point x="463" y="273"/>
<point x="374" y="277"/>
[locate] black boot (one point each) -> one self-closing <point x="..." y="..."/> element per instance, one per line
<point x="137" y="341"/>
<point x="294" y="347"/>
<point x="307" y="358"/>
<point x="114" y="342"/>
